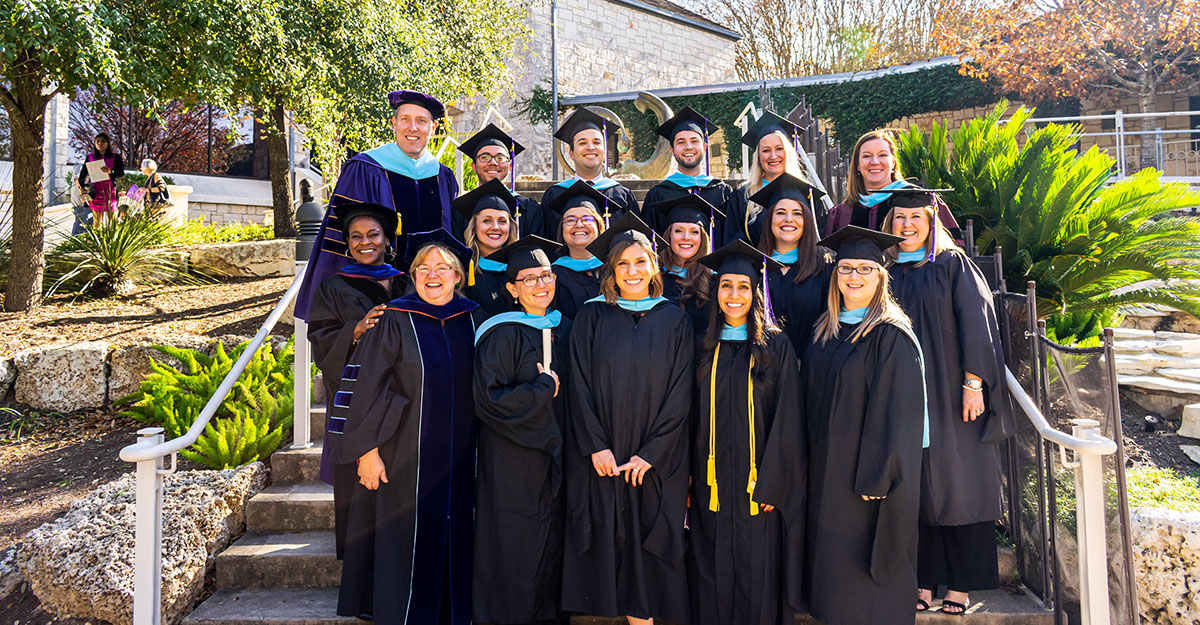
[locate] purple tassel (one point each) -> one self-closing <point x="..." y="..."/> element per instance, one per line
<point x="604" y="137"/>
<point x="770" y="310"/>
<point x="706" y="171"/>
<point x="512" y="184"/>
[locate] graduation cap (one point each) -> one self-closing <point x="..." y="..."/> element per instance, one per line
<point x="626" y="228"/>
<point x="582" y="119"/>
<point x="428" y="102"/>
<point x="491" y="194"/>
<point x="490" y="135"/>
<point x="853" y="242"/>
<point x="743" y="259"/>
<point x="414" y="241"/>
<point x="581" y="194"/>
<point x="688" y="119"/>
<point x="911" y="196"/>
<point x="790" y="187"/>
<point x="689" y="208"/>
<point x="387" y="218"/>
<point x="527" y="252"/>
<point x="768" y="123"/>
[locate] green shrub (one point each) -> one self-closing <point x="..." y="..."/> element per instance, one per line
<point x="253" y="420"/>
<point x="1151" y="487"/>
<point x="133" y="177"/>
<point x="196" y="232"/>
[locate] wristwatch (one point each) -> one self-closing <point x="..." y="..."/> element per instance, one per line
<point x="973" y="384"/>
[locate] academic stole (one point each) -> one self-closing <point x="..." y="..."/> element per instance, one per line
<point x="714" y="503"/>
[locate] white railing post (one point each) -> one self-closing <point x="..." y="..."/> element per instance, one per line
<point x="147" y="571"/>
<point x="301" y="382"/>
<point x="1119" y="126"/>
<point x="1089" y="524"/>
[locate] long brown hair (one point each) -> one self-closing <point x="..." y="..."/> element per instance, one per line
<point x="858" y="186"/>
<point x="608" y="277"/>
<point x="697" y="279"/>
<point x="758" y="331"/>
<point x="882" y="309"/>
<point x="810" y="257"/>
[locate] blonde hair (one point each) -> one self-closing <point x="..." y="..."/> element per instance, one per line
<point x="791" y="165"/>
<point x="882" y="309"/>
<point x="942" y="242"/>
<point x="472" y="239"/>
<point x="447" y="254"/>
<point x="608" y="276"/>
<point x="858" y="186"/>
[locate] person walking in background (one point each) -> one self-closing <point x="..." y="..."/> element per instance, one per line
<point x="103" y="192"/>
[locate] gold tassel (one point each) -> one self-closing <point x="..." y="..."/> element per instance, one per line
<point x="753" y="464"/>
<point x="714" y="503"/>
<point x="471" y="273"/>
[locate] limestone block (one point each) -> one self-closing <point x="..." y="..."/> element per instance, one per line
<point x="1186" y="349"/>
<point x="276" y="257"/>
<point x="1166" y="553"/>
<point x="1141" y="364"/>
<point x="10" y="574"/>
<point x="1164" y="335"/>
<point x="1158" y="383"/>
<point x="8" y="373"/>
<point x="1191" y="422"/>
<point x="128" y="366"/>
<point x="81" y="566"/>
<point x="1183" y="375"/>
<point x="1191" y="451"/>
<point x="1130" y="347"/>
<point x="1132" y="334"/>
<point x="63" y="377"/>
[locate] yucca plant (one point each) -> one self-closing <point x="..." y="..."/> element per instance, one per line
<point x="103" y="258"/>
<point x="1092" y="247"/>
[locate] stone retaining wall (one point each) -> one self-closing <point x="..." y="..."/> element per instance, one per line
<point x="1166" y="553"/>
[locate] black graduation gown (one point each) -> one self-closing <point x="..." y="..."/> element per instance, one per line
<point x="519" y="518"/>
<point x="630" y="389"/>
<point x="736" y="224"/>
<point x="573" y="288"/>
<point x="621" y="200"/>
<point x="407" y="393"/>
<point x="953" y="316"/>
<point x="340" y="302"/>
<point x="489" y="292"/>
<point x="716" y="192"/>
<point x="864" y="416"/>
<point x="735" y="563"/>
<point x="797" y="306"/>
<point x="697" y="313"/>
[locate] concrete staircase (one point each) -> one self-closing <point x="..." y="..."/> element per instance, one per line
<point x="284" y="570"/>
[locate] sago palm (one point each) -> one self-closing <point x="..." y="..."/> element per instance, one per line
<point x="1090" y="246"/>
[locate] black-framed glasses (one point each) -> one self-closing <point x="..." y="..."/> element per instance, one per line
<point x="488" y="159"/>
<point x="863" y="270"/>
<point x="546" y="278"/>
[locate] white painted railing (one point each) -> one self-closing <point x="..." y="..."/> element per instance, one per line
<point x="1089" y="449"/>
<point x="1176" y="149"/>
<point x="150" y="451"/>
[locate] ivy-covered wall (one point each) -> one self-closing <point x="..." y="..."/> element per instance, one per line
<point x="852" y="108"/>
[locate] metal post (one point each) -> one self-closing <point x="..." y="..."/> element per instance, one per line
<point x="1045" y="525"/>
<point x="301" y="384"/>
<point x="554" y="87"/>
<point x="291" y="144"/>
<point x="1119" y="123"/>
<point x="1089" y="517"/>
<point x="147" y="562"/>
<point x="1122" y="489"/>
<point x="1158" y="149"/>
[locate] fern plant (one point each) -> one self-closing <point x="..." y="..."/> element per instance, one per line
<point x="1091" y="246"/>
<point x="251" y="422"/>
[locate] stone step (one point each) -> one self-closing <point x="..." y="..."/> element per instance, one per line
<point x="1183" y="375"/>
<point x="297" y="465"/>
<point x="293" y="560"/>
<point x="1144" y="364"/>
<point x="318" y="606"/>
<point x="1160" y="384"/>
<point x="316" y="422"/>
<point x="302" y="507"/>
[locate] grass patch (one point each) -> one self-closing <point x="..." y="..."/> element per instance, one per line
<point x="1163" y="488"/>
<point x="196" y="232"/>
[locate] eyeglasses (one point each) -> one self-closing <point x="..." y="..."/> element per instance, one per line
<point x="571" y="222"/>
<point x="488" y="159"/>
<point x="546" y="278"/>
<point x="423" y="270"/>
<point x="863" y="270"/>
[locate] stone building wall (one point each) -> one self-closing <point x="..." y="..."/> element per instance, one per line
<point x="221" y="214"/>
<point x="604" y="47"/>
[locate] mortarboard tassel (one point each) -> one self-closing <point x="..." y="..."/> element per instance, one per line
<point x="753" y="482"/>
<point x="933" y="231"/>
<point x="714" y="503"/>
<point x="607" y="214"/>
<point x="767" y="308"/>
<point x="512" y="184"/>
<point x="471" y="273"/>
<point x="706" y="171"/>
<point x="711" y="219"/>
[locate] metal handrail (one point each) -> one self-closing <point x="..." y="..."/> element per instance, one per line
<point x="1094" y="445"/>
<point x="140" y="451"/>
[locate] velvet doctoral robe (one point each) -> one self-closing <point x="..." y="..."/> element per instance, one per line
<point x="340" y="302"/>
<point x="735" y="559"/>
<point x="630" y="387"/>
<point x="423" y="205"/>
<point x="954" y="317"/>
<point x="519" y="514"/>
<point x="407" y="392"/>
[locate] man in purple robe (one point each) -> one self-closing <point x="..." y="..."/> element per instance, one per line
<point x="402" y="175"/>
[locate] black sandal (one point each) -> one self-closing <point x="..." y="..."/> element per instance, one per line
<point x="922" y="605"/>
<point x="954" y="604"/>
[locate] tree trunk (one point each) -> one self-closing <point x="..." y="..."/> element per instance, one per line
<point x="24" y="289"/>
<point x="1147" y="101"/>
<point x="281" y="182"/>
